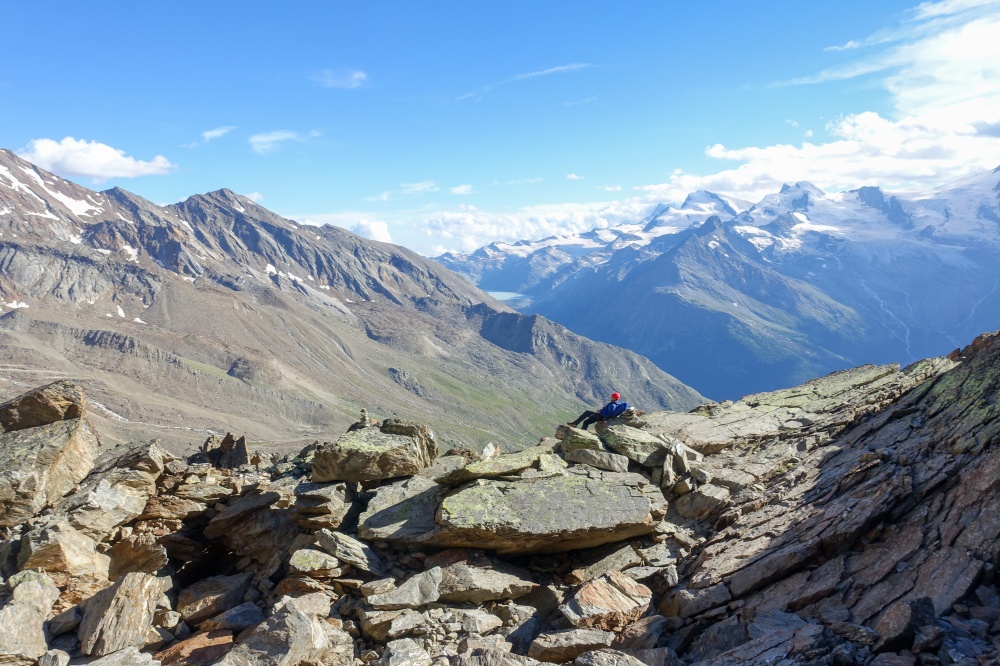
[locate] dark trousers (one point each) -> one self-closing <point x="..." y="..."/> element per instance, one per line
<point x="587" y="418"/>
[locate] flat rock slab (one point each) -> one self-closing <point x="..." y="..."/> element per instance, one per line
<point x="609" y="603"/>
<point x="553" y="514"/>
<point x="348" y="549"/>
<point x="562" y="646"/>
<point x="201" y="649"/>
<point x="572" y="439"/>
<point x="371" y="454"/>
<point x="40" y="465"/>
<point x="211" y="596"/>
<point x="472" y="577"/>
<point x="419" y="590"/>
<point x="403" y="511"/>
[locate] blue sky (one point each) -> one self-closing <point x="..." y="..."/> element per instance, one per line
<point x="446" y="125"/>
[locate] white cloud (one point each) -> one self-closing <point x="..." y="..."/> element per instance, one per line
<point x="384" y="196"/>
<point x="423" y="187"/>
<point x="349" y="79"/>
<point x="91" y="159"/>
<point x="217" y="133"/>
<point x="573" y="176"/>
<point x="462" y="189"/>
<point x="548" y="71"/>
<point x="270" y="142"/>
<point x="611" y="188"/>
<point x="373" y="229"/>
<point x="256" y="197"/>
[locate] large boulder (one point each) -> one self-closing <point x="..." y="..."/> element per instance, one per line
<point x="610" y="602"/>
<point x="58" y="401"/>
<point x="120" y="616"/>
<point x="643" y="447"/>
<point x="367" y="454"/>
<point x="58" y="547"/>
<point x="470" y="576"/>
<point x="584" y="508"/>
<point x="116" y="491"/>
<point x="39" y="465"/>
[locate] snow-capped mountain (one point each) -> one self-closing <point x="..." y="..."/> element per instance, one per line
<point x="799" y="284"/>
<point x="217" y="313"/>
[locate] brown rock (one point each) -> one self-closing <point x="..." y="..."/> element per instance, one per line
<point x="199" y="650"/>
<point x="58" y="401"/>
<point x="609" y="603"/>
<point x="136" y="552"/>
<point x="39" y="465"/>
<point x="211" y="596"/>
<point x="393" y="450"/>
<point x="120" y="616"/>
<point x="22" y="634"/>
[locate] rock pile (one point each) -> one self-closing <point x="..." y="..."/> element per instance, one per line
<point x="852" y="520"/>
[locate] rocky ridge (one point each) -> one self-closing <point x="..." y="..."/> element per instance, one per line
<point x="851" y="520"/>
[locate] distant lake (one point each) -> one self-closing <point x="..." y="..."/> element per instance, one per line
<point x="504" y="296"/>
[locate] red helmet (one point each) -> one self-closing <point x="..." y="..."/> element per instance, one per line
<point x="616" y="396"/>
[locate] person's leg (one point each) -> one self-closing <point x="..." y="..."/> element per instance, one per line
<point x="593" y="417"/>
<point x="586" y="415"/>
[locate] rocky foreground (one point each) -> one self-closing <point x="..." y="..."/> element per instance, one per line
<point x="852" y="520"/>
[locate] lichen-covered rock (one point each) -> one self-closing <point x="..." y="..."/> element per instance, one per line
<point x="572" y="439"/>
<point x="58" y="401"/>
<point x="582" y="509"/>
<point x="367" y="454"/>
<point x="403" y="510"/>
<point x="350" y="550"/>
<point x="639" y="445"/>
<point x="612" y="462"/>
<point x="39" y="465"/>
<point x="315" y="563"/>
<point x="501" y="465"/>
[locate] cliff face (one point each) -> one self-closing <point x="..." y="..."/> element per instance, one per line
<point x="850" y="520"/>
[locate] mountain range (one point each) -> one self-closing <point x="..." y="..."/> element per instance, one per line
<point x="734" y="298"/>
<point x="215" y="314"/>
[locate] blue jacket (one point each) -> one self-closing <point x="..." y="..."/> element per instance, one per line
<point x="613" y="409"/>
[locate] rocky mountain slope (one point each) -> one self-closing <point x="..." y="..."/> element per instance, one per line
<point x="799" y="284"/>
<point x="216" y="314"/>
<point x="851" y="520"/>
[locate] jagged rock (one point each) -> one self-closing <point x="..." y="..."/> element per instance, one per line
<point x="42" y="464"/>
<point x="211" y="596"/>
<point x="259" y="524"/>
<point x="230" y="453"/>
<point x="643" y="634"/>
<point x="58" y="401"/>
<point x="702" y="501"/>
<point x="685" y="603"/>
<point x="643" y="447"/>
<point x="116" y="491"/>
<point x="419" y="590"/>
<point x="136" y="552"/>
<point x="237" y="618"/>
<point x="291" y="636"/>
<point x="201" y="649"/>
<point x="493" y="658"/>
<point x="572" y="439"/>
<point x="501" y="465"/>
<point x="315" y="563"/>
<point x="351" y="551"/>
<point x="393" y="450"/>
<point x="169" y="507"/>
<point x="405" y="652"/>
<point x="120" y="616"/>
<point x="322" y="505"/>
<point x="472" y="577"/>
<point x="478" y="621"/>
<point x="202" y="492"/>
<point x="444" y="466"/>
<point x="381" y="626"/>
<point x="403" y="510"/>
<point x="609" y="603"/>
<point x="59" y="548"/>
<point x="612" y="462"/>
<point x="22" y="636"/>
<point x="562" y="646"/>
<point x="601" y="561"/>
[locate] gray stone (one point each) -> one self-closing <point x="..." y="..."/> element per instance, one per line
<point x="562" y="646"/>
<point x="573" y="439"/>
<point x="130" y="656"/>
<point x="503" y="465"/>
<point x="315" y="563"/>
<point x="22" y="636"/>
<point x="211" y="596"/>
<point x="643" y="447"/>
<point x="419" y="590"/>
<point x="405" y="652"/>
<point x="403" y="510"/>
<point x="701" y="502"/>
<point x="612" y="462"/>
<point x="40" y="465"/>
<point x="350" y="550"/>
<point x="607" y="658"/>
<point x="370" y="454"/>
<point x="471" y="577"/>
<point x="610" y="602"/>
<point x="291" y="637"/>
<point x="58" y="547"/>
<point x="236" y="619"/>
